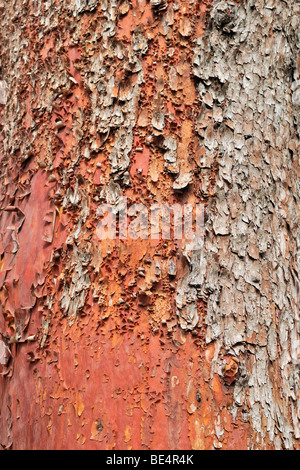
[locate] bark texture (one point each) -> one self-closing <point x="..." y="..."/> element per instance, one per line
<point x="149" y="344"/>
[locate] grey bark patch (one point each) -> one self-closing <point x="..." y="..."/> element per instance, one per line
<point x="3" y="92"/>
<point x="254" y="215"/>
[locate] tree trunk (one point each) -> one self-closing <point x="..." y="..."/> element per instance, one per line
<point x="146" y="343"/>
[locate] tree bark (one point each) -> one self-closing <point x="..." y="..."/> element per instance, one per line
<point x="146" y="344"/>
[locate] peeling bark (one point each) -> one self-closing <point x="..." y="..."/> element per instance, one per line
<point x="149" y="344"/>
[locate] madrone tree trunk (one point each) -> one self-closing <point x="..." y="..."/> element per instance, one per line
<point x="144" y="344"/>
